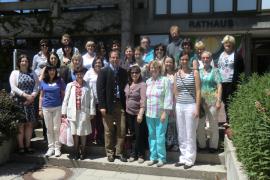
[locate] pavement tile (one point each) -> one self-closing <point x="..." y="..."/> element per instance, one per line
<point x="102" y="173"/>
<point x="149" y="177"/>
<point x="172" y="178"/>
<point x="127" y="176"/>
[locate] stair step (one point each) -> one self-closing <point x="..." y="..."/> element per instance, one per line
<point x="99" y="150"/>
<point x="199" y="171"/>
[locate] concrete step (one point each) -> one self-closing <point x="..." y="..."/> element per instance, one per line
<point x="199" y="171"/>
<point x="99" y="150"/>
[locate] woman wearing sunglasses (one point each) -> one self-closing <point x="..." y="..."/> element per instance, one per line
<point x="135" y="92"/>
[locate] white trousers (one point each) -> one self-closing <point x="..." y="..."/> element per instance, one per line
<point x="186" y="127"/>
<point x="52" y="118"/>
<point x="211" y="113"/>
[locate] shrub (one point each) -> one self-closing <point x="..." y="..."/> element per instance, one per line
<point x="249" y="114"/>
<point x="9" y="115"/>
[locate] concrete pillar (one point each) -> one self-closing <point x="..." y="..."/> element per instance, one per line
<point x="247" y="53"/>
<point x="126" y="7"/>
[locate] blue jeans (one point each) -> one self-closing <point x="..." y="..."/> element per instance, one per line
<point x="156" y="138"/>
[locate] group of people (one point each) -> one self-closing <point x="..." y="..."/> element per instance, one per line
<point x="152" y="95"/>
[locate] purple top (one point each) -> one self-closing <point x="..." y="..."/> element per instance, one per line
<point x="135" y="97"/>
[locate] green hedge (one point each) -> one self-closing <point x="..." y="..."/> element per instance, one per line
<point x="9" y="115"/>
<point x="249" y="114"/>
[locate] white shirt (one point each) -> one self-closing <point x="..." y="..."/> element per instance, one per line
<point x="88" y="60"/>
<point x="226" y="66"/>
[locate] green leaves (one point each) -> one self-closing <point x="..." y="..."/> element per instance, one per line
<point x="9" y="115"/>
<point x="249" y="113"/>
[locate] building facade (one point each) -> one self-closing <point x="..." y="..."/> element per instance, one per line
<point x="24" y="23"/>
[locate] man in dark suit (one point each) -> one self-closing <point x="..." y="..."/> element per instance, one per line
<point x="111" y="82"/>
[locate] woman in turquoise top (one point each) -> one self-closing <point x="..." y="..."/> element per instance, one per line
<point x="211" y="91"/>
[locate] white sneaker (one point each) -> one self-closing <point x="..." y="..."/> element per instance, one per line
<point x="57" y="153"/>
<point x="49" y="153"/>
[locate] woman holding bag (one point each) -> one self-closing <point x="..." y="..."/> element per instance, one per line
<point x="79" y="107"/>
<point x="211" y="93"/>
<point x="52" y="91"/>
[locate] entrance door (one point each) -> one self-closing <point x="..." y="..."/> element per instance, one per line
<point x="261" y="56"/>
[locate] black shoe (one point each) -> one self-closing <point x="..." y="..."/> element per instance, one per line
<point x="212" y="150"/>
<point x="201" y="149"/>
<point x="76" y="156"/>
<point x="21" y="151"/>
<point x="178" y="164"/>
<point x="187" y="166"/>
<point x="110" y="158"/>
<point x="122" y="158"/>
<point x="29" y="150"/>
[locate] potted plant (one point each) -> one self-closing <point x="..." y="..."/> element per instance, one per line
<point x="9" y="115"/>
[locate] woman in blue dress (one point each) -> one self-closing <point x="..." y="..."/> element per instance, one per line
<point x="24" y="86"/>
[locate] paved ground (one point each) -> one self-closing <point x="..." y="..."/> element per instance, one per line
<point x="19" y="171"/>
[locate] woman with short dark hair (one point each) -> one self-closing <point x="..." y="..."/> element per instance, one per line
<point x="91" y="78"/>
<point x="52" y="91"/>
<point x="135" y="92"/>
<point x="24" y="86"/>
<point x="40" y="59"/>
<point x="79" y="107"/>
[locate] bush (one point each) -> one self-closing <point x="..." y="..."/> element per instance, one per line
<point x="249" y="114"/>
<point x="9" y="115"/>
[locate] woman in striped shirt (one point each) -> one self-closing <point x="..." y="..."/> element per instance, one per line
<point x="188" y="95"/>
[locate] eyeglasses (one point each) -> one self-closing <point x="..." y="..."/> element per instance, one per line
<point x="135" y="72"/>
<point x="159" y="49"/>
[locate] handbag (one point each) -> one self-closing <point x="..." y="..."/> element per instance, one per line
<point x="65" y="136"/>
<point x="201" y="110"/>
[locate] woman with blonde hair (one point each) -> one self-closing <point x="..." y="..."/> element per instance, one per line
<point x="159" y="103"/>
<point x="67" y="73"/>
<point x="230" y="65"/>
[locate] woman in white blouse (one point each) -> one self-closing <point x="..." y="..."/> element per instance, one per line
<point x="24" y="87"/>
<point x="89" y="57"/>
<point x="91" y="78"/>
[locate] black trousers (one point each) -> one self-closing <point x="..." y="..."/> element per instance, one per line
<point x="227" y="90"/>
<point x="140" y="134"/>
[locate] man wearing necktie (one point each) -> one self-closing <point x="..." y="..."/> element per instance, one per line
<point x="111" y="82"/>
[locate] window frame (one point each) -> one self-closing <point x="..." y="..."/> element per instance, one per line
<point x="190" y="14"/>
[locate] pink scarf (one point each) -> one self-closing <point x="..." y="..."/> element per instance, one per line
<point x="78" y="93"/>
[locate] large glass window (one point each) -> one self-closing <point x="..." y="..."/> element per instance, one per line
<point x="161" y="7"/>
<point x="265" y="4"/>
<point x="179" y="6"/>
<point x="200" y="6"/>
<point x="246" y="5"/>
<point x="223" y="5"/>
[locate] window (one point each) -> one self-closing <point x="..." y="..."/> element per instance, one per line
<point x="179" y="6"/>
<point x="265" y="4"/>
<point x="223" y="5"/>
<point x="161" y="7"/>
<point x="246" y="5"/>
<point x="200" y="6"/>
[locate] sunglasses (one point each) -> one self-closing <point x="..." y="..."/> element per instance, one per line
<point x="135" y="72"/>
<point x="159" y="49"/>
<point x="44" y="45"/>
